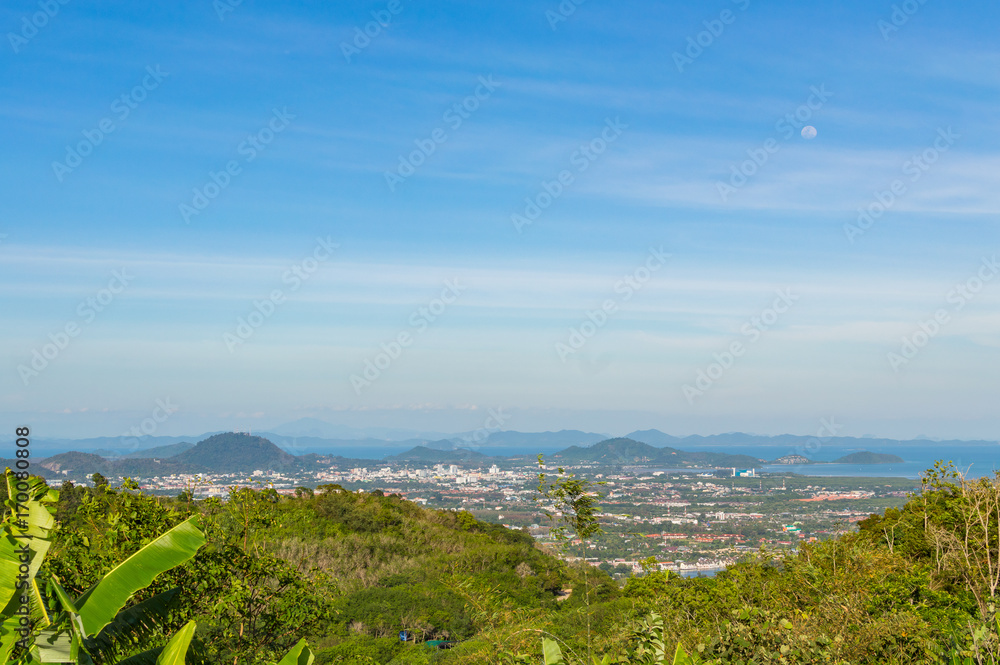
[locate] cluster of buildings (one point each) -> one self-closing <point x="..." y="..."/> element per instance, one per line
<point x="687" y="523"/>
<point x="439" y="473"/>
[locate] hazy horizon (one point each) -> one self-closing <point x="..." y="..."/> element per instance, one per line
<point x="827" y="428"/>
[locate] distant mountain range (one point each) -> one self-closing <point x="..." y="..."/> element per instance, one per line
<point x="310" y="435"/>
<point x="657" y="438"/>
<point x="496" y="443"/>
<point x="242" y="453"/>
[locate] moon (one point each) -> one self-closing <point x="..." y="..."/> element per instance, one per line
<point x="808" y="132"/>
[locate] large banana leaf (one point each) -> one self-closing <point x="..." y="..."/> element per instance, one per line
<point x="8" y="637"/>
<point x="56" y="646"/>
<point x="63" y="643"/>
<point x="144" y="658"/>
<point x="132" y="625"/>
<point x="299" y="655"/>
<point x="175" y="652"/>
<point x="32" y="518"/>
<point x="551" y="652"/>
<point x="681" y="658"/>
<point x="99" y="605"/>
<point x="38" y="614"/>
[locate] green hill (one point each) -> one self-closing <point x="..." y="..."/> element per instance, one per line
<point x="720" y="459"/>
<point x="231" y="452"/>
<point x="346" y="570"/>
<point x="614" y="451"/>
<point x="222" y="453"/>
<point x="73" y="465"/>
<point x="629" y="451"/>
<point x="865" y="457"/>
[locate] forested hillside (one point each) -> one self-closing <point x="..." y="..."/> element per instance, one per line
<point x="628" y="451"/>
<point x="348" y="571"/>
<point x="353" y="572"/>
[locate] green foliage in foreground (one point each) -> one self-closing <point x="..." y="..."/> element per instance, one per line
<point x="349" y="571"/>
<point x="95" y="627"/>
<point x="917" y="585"/>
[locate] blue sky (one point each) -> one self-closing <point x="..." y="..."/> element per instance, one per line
<point x="599" y="99"/>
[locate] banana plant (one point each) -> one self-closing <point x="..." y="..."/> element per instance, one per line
<point x="299" y="655"/>
<point x="77" y="628"/>
<point x="80" y="628"/>
<point x="175" y="651"/>
<point x="26" y="532"/>
<point x="96" y="620"/>
<point x="70" y="635"/>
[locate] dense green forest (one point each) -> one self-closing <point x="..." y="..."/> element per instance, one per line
<point x="352" y="573"/>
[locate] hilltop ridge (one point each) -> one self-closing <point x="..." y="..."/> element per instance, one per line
<point x="629" y="451"/>
<point x="221" y="453"/>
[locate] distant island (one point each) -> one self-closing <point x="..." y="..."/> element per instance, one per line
<point x="862" y="457"/>
<point x="437" y="456"/>
<point x="793" y="459"/>
<point x="865" y="457"/>
<point x="622" y="451"/>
